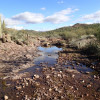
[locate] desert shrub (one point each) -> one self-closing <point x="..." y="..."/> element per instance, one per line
<point x="68" y="36"/>
<point x="92" y="49"/>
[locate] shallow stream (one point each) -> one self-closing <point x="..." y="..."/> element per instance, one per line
<point x="48" y="57"/>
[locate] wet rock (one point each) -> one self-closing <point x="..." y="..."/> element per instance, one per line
<point x="82" y="96"/>
<point x="52" y="68"/>
<point x="18" y="87"/>
<point x="93" y="67"/>
<point x="82" y="81"/>
<point x="8" y="85"/>
<point x="26" y="97"/>
<point x="48" y="76"/>
<point x="28" y="56"/>
<point x="60" y="71"/>
<point x="56" y="88"/>
<point x="59" y="75"/>
<point x="37" y="84"/>
<point x="26" y="83"/>
<point x="50" y="90"/>
<point x="87" y="72"/>
<point x="49" y="55"/>
<point x="77" y="89"/>
<point x="94" y="76"/>
<point x="5" y="97"/>
<point x="46" y="44"/>
<point x="62" y="97"/>
<point x="81" y="99"/>
<point x="15" y="77"/>
<point x="71" y="87"/>
<point x="98" y="90"/>
<point x="38" y="98"/>
<point x="36" y="76"/>
<point x="59" y="91"/>
<point x="87" y="95"/>
<point x="73" y="71"/>
<point x="89" y="85"/>
<point x="73" y="76"/>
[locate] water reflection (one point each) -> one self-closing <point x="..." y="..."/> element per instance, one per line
<point x="47" y="55"/>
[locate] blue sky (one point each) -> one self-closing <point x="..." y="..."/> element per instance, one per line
<point x="44" y="15"/>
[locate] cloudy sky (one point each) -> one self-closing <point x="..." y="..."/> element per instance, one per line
<point x="42" y="15"/>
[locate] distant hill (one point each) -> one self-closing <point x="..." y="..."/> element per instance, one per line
<point x="76" y="30"/>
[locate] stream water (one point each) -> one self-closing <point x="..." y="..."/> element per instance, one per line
<point x="48" y="56"/>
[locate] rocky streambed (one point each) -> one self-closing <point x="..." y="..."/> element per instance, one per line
<point x="53" y="74"/>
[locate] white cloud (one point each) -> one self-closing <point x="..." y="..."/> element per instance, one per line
<point x="94" y="17"/>
<point x="11" y="22"/>
<point x="34" y="18"/>
<point x="43" y="8"/>
<point x="60" y="17"/>
<point x="56" y="19"/>
<point x="88" y="23"/>
<point x="60" y="2"/>
<point x="28" y="17"/>
<point x="16" y="27"/>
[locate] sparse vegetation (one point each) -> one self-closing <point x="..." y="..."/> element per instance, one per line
<point x="65" y="33"/>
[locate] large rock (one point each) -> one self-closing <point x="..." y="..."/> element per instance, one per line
<point x="83" y="41"/>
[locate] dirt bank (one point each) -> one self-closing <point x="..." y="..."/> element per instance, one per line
<point x="15" y="57"/>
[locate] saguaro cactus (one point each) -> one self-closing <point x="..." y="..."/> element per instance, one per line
<point x="0" y="28"/>
<point x="3" y="26"/>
